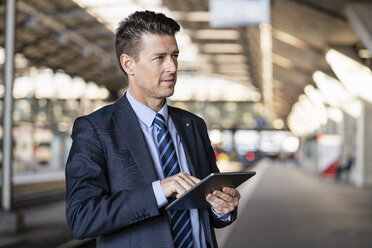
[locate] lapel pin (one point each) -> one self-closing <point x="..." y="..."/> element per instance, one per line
<point x="187" y="124"/>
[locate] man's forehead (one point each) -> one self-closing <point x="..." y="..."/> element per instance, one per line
<point x="159" y="44"/>
<point x="158" y="38"/>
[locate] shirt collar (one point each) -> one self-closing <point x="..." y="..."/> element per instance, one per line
<point x="144" y="113"/>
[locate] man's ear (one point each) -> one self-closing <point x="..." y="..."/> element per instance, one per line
<point x="127" y="63"/>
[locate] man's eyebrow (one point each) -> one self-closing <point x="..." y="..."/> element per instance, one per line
<point x="162" y="54"/>
<point x="158" y="54"/>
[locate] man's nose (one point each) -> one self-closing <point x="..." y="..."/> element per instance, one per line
<point x="171" y="65"/>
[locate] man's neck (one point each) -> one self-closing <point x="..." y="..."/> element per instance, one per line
<point x="153" y="103"/>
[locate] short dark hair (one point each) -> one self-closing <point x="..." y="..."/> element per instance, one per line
<point x="130" y="30"/>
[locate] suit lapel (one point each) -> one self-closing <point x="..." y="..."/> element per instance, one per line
<point x="130" y="130"/>
<point x="185" y="130"/>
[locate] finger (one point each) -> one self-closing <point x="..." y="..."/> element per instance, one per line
<point x="220" y="207"/>
<point x="209" y="198"/>
<point x="182" y="185"/>
<point x="179" y="189"/>
<point x="190" y="179"/>
<point x="232" y="192"/>
<point x="174" y="185"/>
<point x="224" y="196"/>
<point x="185" y="180"/>
<point x="195" y="179"/>
<point x="219" y="203"/>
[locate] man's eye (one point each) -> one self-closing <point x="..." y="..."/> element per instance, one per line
<point x="175" y="56"/>
<point x="160" y="58"/>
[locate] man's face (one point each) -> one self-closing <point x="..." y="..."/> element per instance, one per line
<point x="155" y="71"/>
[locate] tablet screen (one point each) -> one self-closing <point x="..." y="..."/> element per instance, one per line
<point x="195" y="197"/>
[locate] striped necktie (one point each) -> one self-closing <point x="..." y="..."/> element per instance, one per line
<point x="180" y="219"/>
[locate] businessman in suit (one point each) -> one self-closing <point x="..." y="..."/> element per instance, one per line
<point x="129" y="159"/>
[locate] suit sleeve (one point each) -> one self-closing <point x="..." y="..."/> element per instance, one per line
<point x="217" y="222"/>
<point x="91" y="209"/>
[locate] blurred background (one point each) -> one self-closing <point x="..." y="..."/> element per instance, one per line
<point x="285" y="87"/>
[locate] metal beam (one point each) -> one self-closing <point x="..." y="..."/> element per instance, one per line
<point x="95" y="32"/>
<point x="8" y="105"/>
<point x="60" y="28"/>
<point x="291" y="77"/>
<point x="307" y="60"/>
<point x="297" y="19"/>
<point x="75" y="14"/>
<point x="359" y="15"/>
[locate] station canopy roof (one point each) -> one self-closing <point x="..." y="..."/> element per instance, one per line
<point x="77" y="36"/>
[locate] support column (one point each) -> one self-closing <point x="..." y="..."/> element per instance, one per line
<point x="362" y="173"/>
<point x="8" y="105"/>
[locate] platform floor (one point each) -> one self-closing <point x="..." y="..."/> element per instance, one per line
<point x="290" y="208"/>
<point x="282" y="206"/>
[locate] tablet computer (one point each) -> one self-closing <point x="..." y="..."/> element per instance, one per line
<point x="195" y="197"/>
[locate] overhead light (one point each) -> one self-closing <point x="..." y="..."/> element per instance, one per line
<point x="189" y="52"/>
<point x="335" y="114"/>
<point x="304" y="118"/>
<point x="202" y="87"/>
<point x="227" y="58"/>
<point x="266" y="64"/>
<point x="364" y="54"/>
<point x="316" y="99"/>
<point x="356" y="78"/>
<point x="297" y="121"/>
<point x="243" y="78"/>
<point x="312" y="116"/>
<point x="290" y="39"/>
<point x="234" y="73"/>
<point x="221" y="48"/>
<point x="232" y="67"/>
<point x="193" y="16"/>
<point x="216" y="34"/>
<point x="336" y="95"/>
<point x="2" y="55"/>
<point x="291" y="144"/>
<point x="282" y="61"/>
<point x="278" y="124"/>
<point x="43" y="87"/>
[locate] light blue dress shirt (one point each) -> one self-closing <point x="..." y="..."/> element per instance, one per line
<point x="145" y="117"/>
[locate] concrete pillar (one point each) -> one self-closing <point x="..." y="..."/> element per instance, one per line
<point x="8" y="105"/>
<point x="349" y="140"/>
<point x="307" y="154"/>
<point x="361" y="174"/>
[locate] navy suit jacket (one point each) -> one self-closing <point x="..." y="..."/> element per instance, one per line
<point x="109" y="175"/>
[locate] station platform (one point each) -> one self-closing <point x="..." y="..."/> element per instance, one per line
<point x="282" y="206"/>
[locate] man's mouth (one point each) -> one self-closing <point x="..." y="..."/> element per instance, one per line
<point x="169" y="80"/>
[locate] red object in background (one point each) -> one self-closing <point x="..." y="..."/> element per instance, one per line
<point x="318" y="136"/>
<point x="216" y="154"/>
<point x="250" y="156"/>
<point x="331" y="170"/>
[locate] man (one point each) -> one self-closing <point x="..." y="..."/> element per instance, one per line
<point x="129" y="159"/>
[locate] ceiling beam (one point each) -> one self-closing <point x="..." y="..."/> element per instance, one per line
<point x="359" y="15"/>
<point x="312" y="26"/>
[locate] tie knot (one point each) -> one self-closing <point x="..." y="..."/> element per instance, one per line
<point x="160" y="121"/>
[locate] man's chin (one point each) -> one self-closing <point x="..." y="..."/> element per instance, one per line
<point x="170" y="94"/>
<point x="166" y="94"/>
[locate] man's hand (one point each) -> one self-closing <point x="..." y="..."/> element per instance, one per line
<point x="224" y="201"/>
<point x="178" y="184"/>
